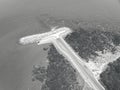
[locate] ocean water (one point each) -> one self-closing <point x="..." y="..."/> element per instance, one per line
<point x="18" y="18"/>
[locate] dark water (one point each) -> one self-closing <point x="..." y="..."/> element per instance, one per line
<point x="18" y="18"/>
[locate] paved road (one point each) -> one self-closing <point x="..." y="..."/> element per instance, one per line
<point x="77" y="62"/>
<point x="56" y="37"/>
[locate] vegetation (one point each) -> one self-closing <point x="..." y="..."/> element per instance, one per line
<point x="59" y="75"/>
<point x="111" y="76"/>
<point x="86" y="43"/>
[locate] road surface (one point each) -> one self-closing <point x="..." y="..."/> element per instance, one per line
<point x="55" y="36"/>
<point x="77" y="62"/>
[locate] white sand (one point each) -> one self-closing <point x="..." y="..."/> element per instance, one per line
<point x="99" y="64"/>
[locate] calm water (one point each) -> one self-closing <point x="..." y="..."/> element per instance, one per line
<point x="17" y="18"/>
